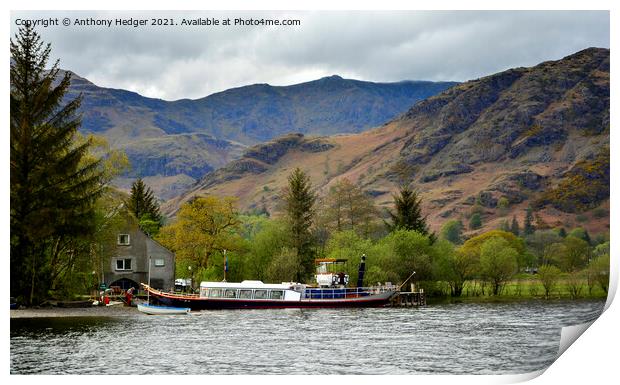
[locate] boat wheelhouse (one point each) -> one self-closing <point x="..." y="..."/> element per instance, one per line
<point x="329" y="272"/>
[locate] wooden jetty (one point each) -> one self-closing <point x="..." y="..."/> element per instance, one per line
<point x="408" y="299"/>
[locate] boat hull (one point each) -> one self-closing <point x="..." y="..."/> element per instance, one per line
<point x="197" y="303"/>
<point x="162" y="310"/>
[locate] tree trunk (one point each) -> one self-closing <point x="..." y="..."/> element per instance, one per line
<point x="32" y="279"/>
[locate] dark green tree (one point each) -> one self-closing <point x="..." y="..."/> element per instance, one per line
<point x="528" y="225"/>
<point x="300" y="211"/>
<point x="54" y="185"/>
<point x="453" y="231"/>
<point x="475" y="222"/>
<point x="581" y="233"/>
<point x="144" y="206"/>
<point x="562" y="232"/>
<point x="407" y="214"/>
<point x="514" y="226"/>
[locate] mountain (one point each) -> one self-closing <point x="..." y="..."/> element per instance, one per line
<point x="527" y="136"/>
<point x="174" y="140"/>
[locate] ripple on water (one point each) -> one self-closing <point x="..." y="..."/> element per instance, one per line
<point x="456" y="338"/>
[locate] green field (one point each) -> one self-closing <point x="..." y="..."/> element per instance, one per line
<point x="524" y="287"/>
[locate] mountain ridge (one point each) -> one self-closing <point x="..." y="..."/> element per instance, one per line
<point x="237" y="118"/>
<point x="516" y="135"/>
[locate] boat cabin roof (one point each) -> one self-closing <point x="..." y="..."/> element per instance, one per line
<point x="245" y="285"/>
<point x="329" y="260"/>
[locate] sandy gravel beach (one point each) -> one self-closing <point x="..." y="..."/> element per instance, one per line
<point x="95" y="311"/>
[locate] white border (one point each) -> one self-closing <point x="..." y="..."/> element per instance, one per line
<point x="591" y="359"/>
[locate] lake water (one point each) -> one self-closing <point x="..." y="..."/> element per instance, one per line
<point x="455" y="338"/>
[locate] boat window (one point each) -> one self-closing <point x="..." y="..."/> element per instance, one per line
<point x="230" y="293"/>
<point x="215" y="293"/>
<point x="245" y="294"/>
<point x="277" y="294"/>
<point x="204" y="292"/>
<point x="260" y="294"/>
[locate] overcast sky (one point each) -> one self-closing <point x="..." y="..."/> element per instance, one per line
<point x="194" y="61"/>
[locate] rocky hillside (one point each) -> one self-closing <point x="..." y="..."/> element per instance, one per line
<point x="495" y="145"/>
<point x="180" y="140"/>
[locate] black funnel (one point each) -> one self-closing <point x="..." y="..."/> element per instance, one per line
<point x="361" y="271"/>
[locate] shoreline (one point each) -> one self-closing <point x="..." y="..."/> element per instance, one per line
<point x="125" y="311"/>
<point x="57" y="312"/>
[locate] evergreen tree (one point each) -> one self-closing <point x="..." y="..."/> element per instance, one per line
<point x="53" y="183"/>
<point x="300" y="202"/>
<point x="514" y="226"/>
<point x="144" y="206"/>
<point x="528" y="226"/>
<point x="408" y="212"/>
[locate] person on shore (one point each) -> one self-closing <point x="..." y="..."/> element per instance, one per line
<point x="128" y="296"/>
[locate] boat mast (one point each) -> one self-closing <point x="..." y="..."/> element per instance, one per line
<point x="148" y="291"/>
<point x="225" y="265"/>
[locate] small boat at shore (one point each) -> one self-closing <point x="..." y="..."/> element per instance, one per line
<point x="330" y="292"/>
<point x="161" y="310"/>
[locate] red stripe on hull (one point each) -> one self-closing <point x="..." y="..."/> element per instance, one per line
<point x="197" y="303"/>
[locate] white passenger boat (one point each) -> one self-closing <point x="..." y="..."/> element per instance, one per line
<point x="330" y="292"/>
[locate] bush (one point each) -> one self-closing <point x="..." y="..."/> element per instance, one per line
<point x="548" y="276"/>
<point x="503" y="203"/>
<point x="452" y="231"/>
<point x="598" y="271"/>
<point x="475" y="222"/>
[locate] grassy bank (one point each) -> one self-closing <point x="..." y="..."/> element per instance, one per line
<point x="524" y="287"/>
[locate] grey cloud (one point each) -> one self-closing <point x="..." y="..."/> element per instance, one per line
<point x="192" y="62"/>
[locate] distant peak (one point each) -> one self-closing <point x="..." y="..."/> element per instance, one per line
<point x="332" y="77"/>
<point x="590" y="51"/>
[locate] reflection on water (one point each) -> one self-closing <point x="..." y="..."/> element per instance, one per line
<point x="457" y="338"/>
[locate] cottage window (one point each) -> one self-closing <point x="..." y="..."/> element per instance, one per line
<point x="123" y="239"/>
<point x="159" y="262"/>
<point x="123" y="264"/>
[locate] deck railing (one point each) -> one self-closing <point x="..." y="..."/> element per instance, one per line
<point x="155" y="291"/>
<point x="346" y="292"/>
